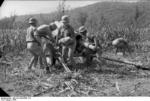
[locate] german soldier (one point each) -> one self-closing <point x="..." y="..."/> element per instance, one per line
<point x="44" y="32"/>
<point x="32" y="44"/>
<point x="121" y="45"/>
<point x="66" y="37"/>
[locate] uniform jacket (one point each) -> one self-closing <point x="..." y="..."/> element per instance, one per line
<point x="43" y="31"/>
<point x="66" y="31"/>
<point x="30" y="34"/>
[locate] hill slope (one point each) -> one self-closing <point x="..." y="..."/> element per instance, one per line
<point x="113" y="12"/>
<point x="101" y="13"/>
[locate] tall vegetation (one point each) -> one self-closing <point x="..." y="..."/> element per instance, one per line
<point x="107" y="20"/>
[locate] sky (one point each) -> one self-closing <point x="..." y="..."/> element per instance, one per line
<point x="12" y="7"/>
<point x="23" y="7"/>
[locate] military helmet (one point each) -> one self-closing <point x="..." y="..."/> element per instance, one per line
<point x="52" y="26"/>
<point x="82" y="29"/>
<point x="65" y="18"/>
<point x="32" y="20"/>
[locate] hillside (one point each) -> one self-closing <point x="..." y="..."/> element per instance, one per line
<point x="112" y="12"/>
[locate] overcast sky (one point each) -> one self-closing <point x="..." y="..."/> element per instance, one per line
<point x="18" y="7"/>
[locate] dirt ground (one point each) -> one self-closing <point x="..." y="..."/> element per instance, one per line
<point x="98" y="79"/>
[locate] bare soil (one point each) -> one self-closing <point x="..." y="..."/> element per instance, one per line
<point x="98" y="79"/>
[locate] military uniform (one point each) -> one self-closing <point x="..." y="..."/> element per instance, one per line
<point x="45" y="31"/>
<point x="88" y="42"/>
<point x="66" y="31"/>
<point x="87" y="45"/>
<point x="32" y="44"/>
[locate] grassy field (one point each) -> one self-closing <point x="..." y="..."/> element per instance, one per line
<point x="105" y="79"/>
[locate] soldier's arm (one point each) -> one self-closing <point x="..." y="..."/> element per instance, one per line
<point x="58" y="35"/>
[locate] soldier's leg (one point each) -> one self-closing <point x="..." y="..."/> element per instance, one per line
<point x="64" y="51"/>
<point x="45" y="62"/>
<point x="71" y="52"/>
<point x="122" y="49"/>
<point x="119" y="49"/>
<point x="33" y="48"/>
<point x="31" y="63"/>
<point x="51" y="54"/>
<point x="33" y="60"/>
<point x="42" y="57"/>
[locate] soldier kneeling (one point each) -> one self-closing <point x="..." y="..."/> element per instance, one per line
<point x="86" y="46"/>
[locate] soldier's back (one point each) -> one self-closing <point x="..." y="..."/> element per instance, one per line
<point x="43" y="30"/>
<point x="30" y="33"/>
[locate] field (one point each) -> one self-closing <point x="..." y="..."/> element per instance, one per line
<point x="98" y="79"/>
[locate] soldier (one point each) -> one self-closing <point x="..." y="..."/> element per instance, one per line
<point x="32" y="44"/>
<point x="83" y="32"/>
<point x="86" y="44"/>
<point x="121" y="45"/>
<point x="80" y="39"/>
<point x="44" y="36"/>
<point x="66" y="36"/>
<point x="87" y="40"/>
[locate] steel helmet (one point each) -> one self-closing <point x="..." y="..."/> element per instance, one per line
<point x="82" y="29"/>
<point x="65" y="18"/>
<point x="53" y="26"/>
<point x="32" y="20"/>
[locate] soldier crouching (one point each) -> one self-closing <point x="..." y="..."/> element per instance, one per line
<point x="87" y="46"/>
<point x="121" y="45"/>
